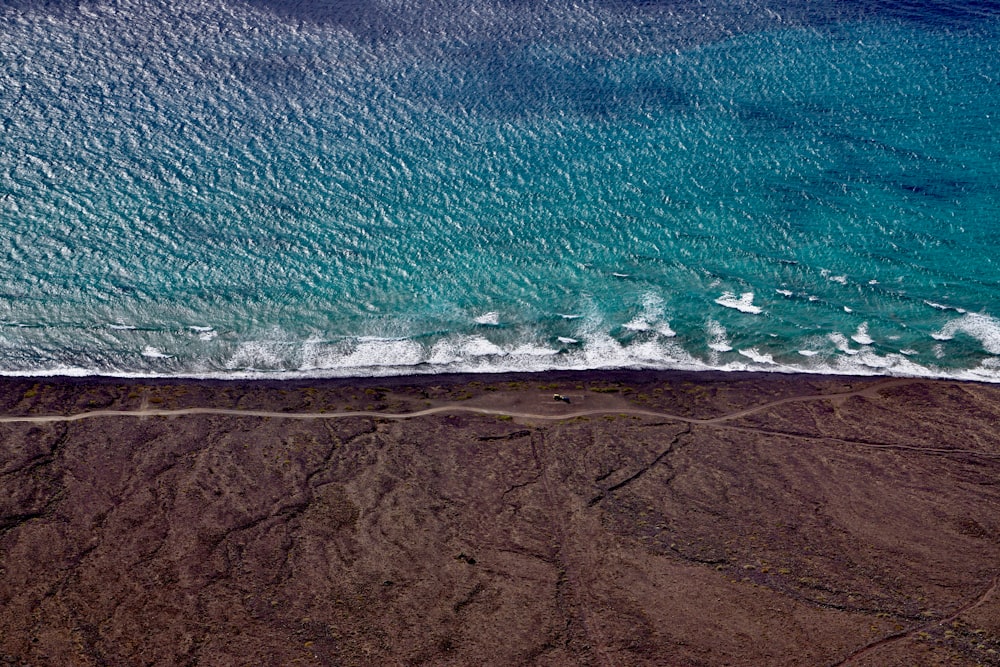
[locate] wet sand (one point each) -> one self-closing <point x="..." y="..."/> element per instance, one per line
<point x="654" y="519"/>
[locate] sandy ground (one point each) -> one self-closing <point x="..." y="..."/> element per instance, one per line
<point x="654" y="519"/>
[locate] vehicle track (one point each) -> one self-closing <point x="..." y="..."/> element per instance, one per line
<point x="976" y="601"/>
<point x="869" y="391"/>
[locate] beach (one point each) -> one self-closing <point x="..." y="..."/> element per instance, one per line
<point x="663" y="518"/>
<point x="310" y="316"/>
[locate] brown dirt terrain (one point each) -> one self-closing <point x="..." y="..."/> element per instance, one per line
<point x="676" y="519"/>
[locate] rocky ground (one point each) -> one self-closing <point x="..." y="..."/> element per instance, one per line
<point x="740" y="526"/>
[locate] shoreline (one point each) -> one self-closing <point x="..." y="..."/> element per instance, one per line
<point x="621" y="375"/>
<point x="684" y="517"/>
<point x="386" y="373"/>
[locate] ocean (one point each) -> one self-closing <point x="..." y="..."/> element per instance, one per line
<point x="257" y="188"/>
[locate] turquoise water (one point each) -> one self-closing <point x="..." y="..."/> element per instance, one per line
<point x="358" y="188"/>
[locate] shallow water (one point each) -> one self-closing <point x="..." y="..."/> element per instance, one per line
<point x="363" y="188"/>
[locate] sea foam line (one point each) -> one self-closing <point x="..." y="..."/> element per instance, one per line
<point x="744" y="303"/>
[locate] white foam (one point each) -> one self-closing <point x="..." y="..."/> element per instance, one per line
<point x="121" y="327"/>
<point x="257" y="355"/>
<point x="836" y="279"/>
<point x="204" y="333"/>
<point x="651" y="318"/>
<point x="908" y="352"/>
<point x="477" y="346"/>
<point x="567" y="341"/>
<point x="941" y="306"/>
<point x="848" y="309"/>
<point x="528" y="350"/>
<point x="153" y="353"/>
<point x="602" y="351"/>
<point x="867" y="361"/>
<point x="570" y="317"/>
<point x="754" y="355"/>
<point x="637" y="323"/>
<point x="718" y="339"/>
<point x="988" y="370"/>
<point x="744" y="304"/>
<point x="861" y="336"/>
<point x="984" y="328"/>
<point x="840" y="341"/>
<point x="367" y="354"/>
<point x="444" y="353"/>
<point x="475" y="354"/>
<point x="784" y="292"/>
<point x="597" y="352"/>
<point x="491" y="318"/>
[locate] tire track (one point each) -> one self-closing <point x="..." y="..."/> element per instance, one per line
<point x="904" y="634"/>
<point x="869" y="392"/>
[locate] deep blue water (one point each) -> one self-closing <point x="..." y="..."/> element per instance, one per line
<point x="231" y="188"/>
